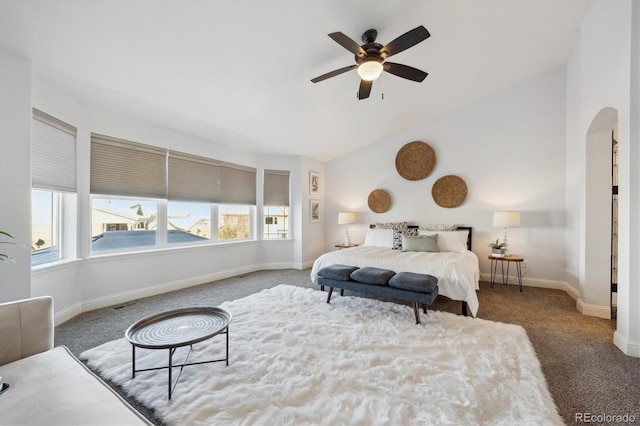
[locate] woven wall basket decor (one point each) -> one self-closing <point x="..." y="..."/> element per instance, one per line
<point x="449" y="191"/>
<point x="379" y="201"/>
<point x="415" y="160"/>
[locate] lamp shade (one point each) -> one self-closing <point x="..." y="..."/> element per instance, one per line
<point x="346" y="218"/>
<point x="370" y="70"/>
<point x="506" y="219"/>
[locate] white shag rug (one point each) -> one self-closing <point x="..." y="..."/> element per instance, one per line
<point x="295" y="359"/>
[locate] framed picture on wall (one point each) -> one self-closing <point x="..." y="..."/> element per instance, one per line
<point x="314" y="183"/>
<point x="314" y="211"/>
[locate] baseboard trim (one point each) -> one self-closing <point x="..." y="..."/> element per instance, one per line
<point x="628" y="347"/>
<point x="67" y="313"/>
<point x="118" y="298"/>
<point x="593" y="310"/>
<point x="537" y="282"/>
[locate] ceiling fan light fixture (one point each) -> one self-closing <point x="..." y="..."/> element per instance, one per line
<point x="370" y="70"/>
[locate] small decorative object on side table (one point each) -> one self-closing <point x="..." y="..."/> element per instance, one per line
<point x="498" y="249"/>
<point x="343" y="246"/>
<point x="505" y="277"/>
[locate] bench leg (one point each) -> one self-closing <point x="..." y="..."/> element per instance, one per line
<point x="416" y="312"/>
<point x="342" y="292"/>
<point x="464" y="309"/>
<point x="424" y="308"/>
<point x="329" y="295"/>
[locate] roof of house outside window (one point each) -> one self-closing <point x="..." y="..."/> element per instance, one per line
<point x="139" y="238"/>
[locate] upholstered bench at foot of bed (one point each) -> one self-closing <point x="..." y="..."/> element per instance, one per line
<point x="408" y="286"/>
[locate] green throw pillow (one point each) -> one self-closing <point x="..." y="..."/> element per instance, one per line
<point x="420" y="243"/>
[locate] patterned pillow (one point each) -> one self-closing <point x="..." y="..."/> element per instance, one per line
<point x="440" y="227"/>
<point x="396" y="226"/>
<point x="397" y="237"/>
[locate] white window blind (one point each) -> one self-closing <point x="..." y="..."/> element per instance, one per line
<point x="237" y="184"/>
<point x="126" y="168"/>
<point x="53" y="153"/>
<point x="276" y="188"/>
<point x="192" y="178"/>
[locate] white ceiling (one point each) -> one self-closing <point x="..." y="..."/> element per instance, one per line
<point x="239" y="72"/>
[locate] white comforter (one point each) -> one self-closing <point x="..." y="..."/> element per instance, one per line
<point x="458" y="273"/>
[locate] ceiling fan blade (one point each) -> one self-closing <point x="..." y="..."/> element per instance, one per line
<point x="365" y="89"/>
<point x="404" y="71"/>
<point x="333" y="73"/>
<point x="348" y="43"/>
<point x="405" y="41"/>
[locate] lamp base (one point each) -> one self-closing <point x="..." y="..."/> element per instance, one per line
<point x="347" y="240"/>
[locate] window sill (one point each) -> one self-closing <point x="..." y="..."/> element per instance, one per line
<point x="99" y="256"/>
<point x="52" y="266"/>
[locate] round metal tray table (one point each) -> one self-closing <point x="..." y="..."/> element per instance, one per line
<point x="177" y="328"/>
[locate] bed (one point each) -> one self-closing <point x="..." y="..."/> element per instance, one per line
<point x="455" y="265"/>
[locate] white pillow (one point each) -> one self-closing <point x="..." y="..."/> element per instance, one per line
<point x="455" y="241"/>
<point x="379" y="238"/>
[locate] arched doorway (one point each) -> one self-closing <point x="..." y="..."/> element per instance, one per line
<point x="600" y="216"/>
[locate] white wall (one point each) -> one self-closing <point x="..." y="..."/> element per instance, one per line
<point x="595" y="291"/>
<point x="15" y="175"/>
<point x="509" y="149"/>
<point x="93" y="282"/>
<point x="313" y="237"/>
<point x="630" y="341"/>
<point x="598" y="77"/>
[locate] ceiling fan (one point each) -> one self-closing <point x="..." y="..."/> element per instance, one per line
<point x="371" y="58"/>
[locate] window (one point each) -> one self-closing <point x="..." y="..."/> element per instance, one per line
<point x="276" y="204"/>
<point x="276" y="222"/>
<point x="146" y="196"/>
<point x="234" y="222"/>
<point x="123" y="223"/>
<point x="188" y="222"/>
<point x="53" y="194"/>
<point x="45" y="226"/>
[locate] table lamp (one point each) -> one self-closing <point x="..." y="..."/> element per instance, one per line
<point x="346" y="218"/>
<point x="510" y="219"/>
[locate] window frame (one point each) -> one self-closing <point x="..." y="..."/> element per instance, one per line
<point x="54" y="170"/>
<point x="233" y="184"/>
<point x="276" y="195"/>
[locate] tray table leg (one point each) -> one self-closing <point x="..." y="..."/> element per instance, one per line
<point x="133" y="361"/>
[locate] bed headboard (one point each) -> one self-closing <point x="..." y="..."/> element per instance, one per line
<point x="462" y="228"/>
<point x="469" y="235"/>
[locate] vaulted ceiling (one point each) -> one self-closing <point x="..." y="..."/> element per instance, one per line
<point x="239" y="72"/>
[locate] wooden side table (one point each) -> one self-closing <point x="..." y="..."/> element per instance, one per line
<point x="505" y="278"/>
<point x="342" y="246"/>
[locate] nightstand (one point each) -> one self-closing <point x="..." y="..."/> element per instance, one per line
<point x="342" y="246"/>
<point x="505" y="277"/>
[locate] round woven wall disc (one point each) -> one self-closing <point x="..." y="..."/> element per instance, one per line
<point x="449" y="191"/>
<point x="415" y="160"/>
<point x="379" y="201"/>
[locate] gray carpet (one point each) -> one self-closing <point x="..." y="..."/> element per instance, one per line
<point x="586" y="373"/>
